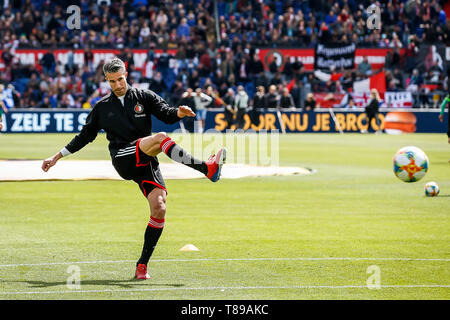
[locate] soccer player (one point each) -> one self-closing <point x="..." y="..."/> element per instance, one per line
<point x="3" y="107"/>
<point x="125" y="115"/>
<point x="441" y="114"/>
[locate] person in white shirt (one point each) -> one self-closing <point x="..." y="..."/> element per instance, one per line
<point x="240" y="106"/>
<point x="201" y="101"/>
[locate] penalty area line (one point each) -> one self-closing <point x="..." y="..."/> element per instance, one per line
<point x="223" y="289"/>
<point x="224" y="259"/>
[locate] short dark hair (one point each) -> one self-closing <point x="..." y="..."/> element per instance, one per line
<point x="113" y="65"/>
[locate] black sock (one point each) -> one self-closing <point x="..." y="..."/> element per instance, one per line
<point x="178" y="154"/>
<point x="151" y="238"/>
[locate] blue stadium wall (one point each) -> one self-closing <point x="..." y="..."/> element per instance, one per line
<point x="71" y="121"/>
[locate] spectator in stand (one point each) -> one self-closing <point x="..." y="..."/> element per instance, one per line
<point x="442" y="15"/>
<point x="276" y="80"/>
<point x="183" y="29"/>
<point x="242" y="68"/>
<point x="350" y="103"/>
<point x="240" y="106"/>
<point x="415" y="81"/>
<point x="398" y="78"/>
<point x="45" y="103"/>
<point x="201" y="101"/>
<point x="298" y="94"/>
<point x="48" y="62"/>
<point x="187" y="99"/>
<point x="259" y="104"/>
<point x="273" y="67"/>
<point x="7" y="57"/>
<point x="176" y="93"/>
<point x="67" y="101"/>
<point x="286" y="100"/>
<point x="228" y="100"/>
<point x="227" y="67"/>
<point x="392" y="86"/>
<point x="364" y="67"/>
<point x="211" y="92"/>
<point x="436" y="73"/>
<point x="310" y="102"/>
<point x="260" y="101"/>
<point x="273" y="98"/>
<point x="395" y="43"/>
<point x="288" y="68"/>
<point x="330" y="19"/>
<point x="261" y="80"/>
<point x="158" y="85"/>
<point x="162" y="64"/>
<point x="256" y="66"/>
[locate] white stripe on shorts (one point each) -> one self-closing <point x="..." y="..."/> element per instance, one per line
<point x="127" y="149"/>
<point x="124" y="154"/>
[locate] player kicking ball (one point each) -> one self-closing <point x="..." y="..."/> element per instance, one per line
<point x="125" y="116"/>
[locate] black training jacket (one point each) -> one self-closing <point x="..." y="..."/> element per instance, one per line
<point x="123" y="124"/>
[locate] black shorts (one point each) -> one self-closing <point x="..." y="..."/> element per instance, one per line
<point x="133" y="164"/>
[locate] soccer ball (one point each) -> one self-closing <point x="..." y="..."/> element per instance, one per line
<point x="410" y="164"/>
<point x="431" y="189"/>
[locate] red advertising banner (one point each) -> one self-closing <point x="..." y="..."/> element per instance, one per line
<point x="32" y="56"/>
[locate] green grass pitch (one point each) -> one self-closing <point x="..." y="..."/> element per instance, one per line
<point x="292" y="237"/>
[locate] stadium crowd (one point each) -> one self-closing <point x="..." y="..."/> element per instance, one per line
<point x="214" y="62"/>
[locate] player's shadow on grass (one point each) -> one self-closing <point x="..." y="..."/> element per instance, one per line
<point x="130" y="283"/>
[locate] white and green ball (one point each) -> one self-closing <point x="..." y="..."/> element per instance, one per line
<point x="431" y="189"/>
<point x="410" y="164"/>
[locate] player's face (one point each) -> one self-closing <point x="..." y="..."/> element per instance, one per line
<point x="118" y="82"/>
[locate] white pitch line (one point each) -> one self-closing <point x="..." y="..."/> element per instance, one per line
<point x="226" y="259"/>
<point x="221" y="288"/>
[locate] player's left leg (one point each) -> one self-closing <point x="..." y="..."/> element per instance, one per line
<point x="368" y="123"/>
<point x="370" y="117"/>
<point x="448" y="128"/>
<point x="378" y="123"/>
<point x="157" y="202"/>
<point x="153" y="145"/>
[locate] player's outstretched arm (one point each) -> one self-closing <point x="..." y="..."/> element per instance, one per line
<point x="50" y="162"/>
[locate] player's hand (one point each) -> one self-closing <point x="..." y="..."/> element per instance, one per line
<point x="50" y="162"/>
<point x="185" y="111"/>
<point x="441" y="117"/>
<point x="448" y="139"/>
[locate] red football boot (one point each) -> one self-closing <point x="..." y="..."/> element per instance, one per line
<point x="141" y="272"/>
<point x="215" y="163"/>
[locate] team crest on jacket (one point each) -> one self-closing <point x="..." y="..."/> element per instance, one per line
<point x="138" y="108"/>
